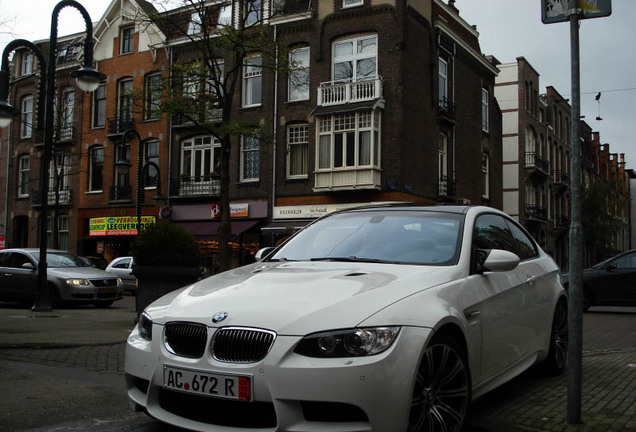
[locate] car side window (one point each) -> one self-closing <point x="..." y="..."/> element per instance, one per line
<point x="17" y="260"/>
<point x="4" y="259"/>
<point x="626" y="261"/>
<point x="526" y="247"/>
<point x="123" y="264"/>
<point x="492" y="232"/>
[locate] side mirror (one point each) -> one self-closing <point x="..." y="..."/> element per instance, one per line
<point x="28" y="266"/>
<point x="500" y="261"/>
<point x="262" y="253"/>
<point x="611" y="267"/>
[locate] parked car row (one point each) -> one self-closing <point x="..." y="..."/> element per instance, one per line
<point x="70" y="279"/>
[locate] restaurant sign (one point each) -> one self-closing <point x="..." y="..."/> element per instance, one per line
<point x="117" y="226"/>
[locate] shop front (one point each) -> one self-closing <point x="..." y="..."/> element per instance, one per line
<point x="203" y="220"/>
<point x="110" y="236"/>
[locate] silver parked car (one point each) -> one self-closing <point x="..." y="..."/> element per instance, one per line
<point x="70" y="279"/>
<point x="123" y="267"/>
<point x="383" y="319"/>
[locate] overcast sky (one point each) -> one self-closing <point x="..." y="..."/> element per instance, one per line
<point x="508" y="29"/>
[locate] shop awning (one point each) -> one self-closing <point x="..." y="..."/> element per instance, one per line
<point x="208" y="229"/>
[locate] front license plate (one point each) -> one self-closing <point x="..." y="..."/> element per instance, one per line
<point x="237" y="387"/>
<point x="110" y="290"/>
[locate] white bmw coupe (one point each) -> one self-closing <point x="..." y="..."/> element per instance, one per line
<point x="383" y="319"/>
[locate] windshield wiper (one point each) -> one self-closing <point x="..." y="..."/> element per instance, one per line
<point x="354" y="259"/>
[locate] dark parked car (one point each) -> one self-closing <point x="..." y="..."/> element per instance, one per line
<point x="609" y="283"/>
<point x="70" y="279"/>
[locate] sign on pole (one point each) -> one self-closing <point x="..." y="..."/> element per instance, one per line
<point x="554" y="11"/>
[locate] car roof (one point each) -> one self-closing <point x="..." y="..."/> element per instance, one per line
<point x="457" y="209"/>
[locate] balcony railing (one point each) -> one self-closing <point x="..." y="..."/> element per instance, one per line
<point x="445" y="187"/>
<point x="561" y="178"/>
<point x="63" y="197"/>
<point x="344" y="92"/>
<point x="120" y="193"/>
<point x="212" y="115"/>
<point x="535" y="161"/>
<point x="536" y="213"/>
<point x="119" y="125"/>
<point x="196" y="186"/>
<point x="446" y="108"/>
<point x="64" y="133"/>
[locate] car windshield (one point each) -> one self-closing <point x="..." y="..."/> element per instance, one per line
<point x="405" y="237"/>
<point x="61" y="259"/>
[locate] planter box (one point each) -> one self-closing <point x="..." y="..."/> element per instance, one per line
<point x="156" y="281"/>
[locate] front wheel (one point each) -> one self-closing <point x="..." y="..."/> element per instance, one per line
<point x="442" y="391"/>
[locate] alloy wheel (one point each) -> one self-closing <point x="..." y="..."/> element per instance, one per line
<point x="441" y="395"/>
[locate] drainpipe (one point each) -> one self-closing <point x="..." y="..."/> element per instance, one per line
<point x="169" y="135"/>
<point x="275" y="120"/>
<point x="6" y="186"/>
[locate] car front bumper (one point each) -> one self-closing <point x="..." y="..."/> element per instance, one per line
<point x="290" y="392"/>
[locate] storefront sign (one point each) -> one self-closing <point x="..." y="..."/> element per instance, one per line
<point x="311" y="211"/>
<point x="1" y="242"/>
<point x="117" y="226"/>
<point x="236" y="210"/>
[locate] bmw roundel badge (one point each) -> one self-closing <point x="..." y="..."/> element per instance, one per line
<point x="218" y="317"/>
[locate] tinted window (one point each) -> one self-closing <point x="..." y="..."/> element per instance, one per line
<point x="626" y="261"/>
<point x="492" y="232"/>
<point x="124" y="263"/>
<point x="525" y="246"/>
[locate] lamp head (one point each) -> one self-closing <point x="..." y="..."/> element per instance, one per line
<point x="88" y="78"/>
<point x="6" y="113"/>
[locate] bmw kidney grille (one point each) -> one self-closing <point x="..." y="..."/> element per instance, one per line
<point x="186" y="339"/>
<point x="241" y="345"/>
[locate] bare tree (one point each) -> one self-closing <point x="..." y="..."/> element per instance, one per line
<point x="217" y="44"/>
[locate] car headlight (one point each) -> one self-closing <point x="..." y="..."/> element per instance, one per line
<point x="145" y="326"/>
<point x="77" y="282"/>
<point x="355" y="342"/>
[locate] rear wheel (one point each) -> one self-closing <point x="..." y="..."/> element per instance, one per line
<point x="554" y="364"/>
<point x="442" y="391"/>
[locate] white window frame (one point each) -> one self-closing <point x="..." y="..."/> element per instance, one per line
<point x="442" y="82"/>
<point x="485" y="114"/>
<point x="357" y="54"/>
<point x="226" y="16"/>
<point x="253" y="81"/>
<point x="351" y="3"/>
<point x="442" y="158"/>
<point x="152" y="103"/>
<point x="62" y="232"/>
<point x="297" y="150"/>
<point x="99" y="107"/>
<point x="200" y="156"/>
<point x="24" y="174"/>
<point x="26" y="115"/>
<point x="123" y="45"/>
<point x="196" y="24"/>
<point x="124" y="99"/>
<point x="250" y="153"/>
<point x="485" y="171"/>
<point x="68" y="111"/>
<point x="151" y="154"/>
<point x="298" y="83"/>
<point x="63" y="161"/>
<point x="340" y="141"/>
<point x="26" y="65"/>
<point x="92" y="165"/>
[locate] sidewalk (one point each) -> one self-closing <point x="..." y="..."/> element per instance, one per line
<point x="95" y="339"/>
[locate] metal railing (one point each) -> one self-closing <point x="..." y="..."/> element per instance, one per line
<point x="445" y="186"/>
<point x="185" y="186"/>
<point x="534" y="212"/>
<point x="534" y="160"/>
<point x="63" y="197"/>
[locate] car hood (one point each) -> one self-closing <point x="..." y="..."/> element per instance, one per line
<point x="79" y="273"/>
<point x="297" y="298"/>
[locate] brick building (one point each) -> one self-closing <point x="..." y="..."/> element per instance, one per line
<point x="395" y="104"/>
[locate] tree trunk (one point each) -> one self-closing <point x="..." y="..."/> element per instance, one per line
<point x="225" y="228"/>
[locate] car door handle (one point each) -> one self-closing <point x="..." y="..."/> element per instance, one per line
<point x="472" y="314"/>
<point x="530" y="279"/>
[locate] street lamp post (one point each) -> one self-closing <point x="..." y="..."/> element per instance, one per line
<point x="141" y="169"/>
<point x="88" y="79"/>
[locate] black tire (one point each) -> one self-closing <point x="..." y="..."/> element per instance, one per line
<point x="442" y="390"/>
<point x="556" y="360"/>
<point x="103" y="303"/>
